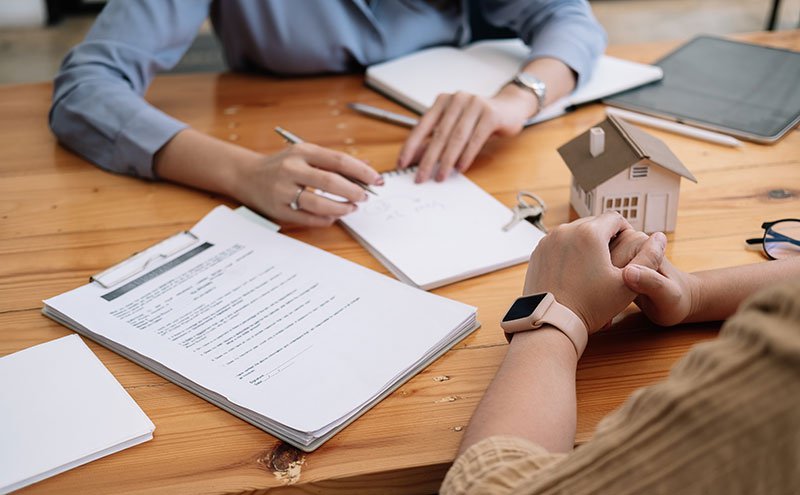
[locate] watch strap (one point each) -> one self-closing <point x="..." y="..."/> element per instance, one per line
<point x="556" y="315"/>
<point x="533" y="84"/>
<point x="563" y="319"/>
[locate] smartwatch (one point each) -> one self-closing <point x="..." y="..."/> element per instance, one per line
<point x="534" y="85"/>
<point x="532" y="312"/>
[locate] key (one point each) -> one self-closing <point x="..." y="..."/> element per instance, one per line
<point x="537" y="222"/>
<point x="521" y="213"/>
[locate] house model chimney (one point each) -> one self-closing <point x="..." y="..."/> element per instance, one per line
<point x="597" y="141"/>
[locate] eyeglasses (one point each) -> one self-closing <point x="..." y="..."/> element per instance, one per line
<point x="781" y="239"/>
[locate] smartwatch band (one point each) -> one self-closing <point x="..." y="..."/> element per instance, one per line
<point x="550" y="312"/>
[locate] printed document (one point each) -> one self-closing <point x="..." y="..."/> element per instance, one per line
<point x="287" y="336"/>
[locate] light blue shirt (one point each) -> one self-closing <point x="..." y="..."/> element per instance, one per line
<point x="98" y="106"/>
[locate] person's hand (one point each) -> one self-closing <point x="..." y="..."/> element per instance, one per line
<point x="667" y="296"/>
<point x="631" y="246"/>
<point x="271" y="183"/>
<point x="574" y="263"/>
<point x="450" y="134"/>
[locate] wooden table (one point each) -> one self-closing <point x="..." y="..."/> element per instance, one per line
<point x="62" y="219"/>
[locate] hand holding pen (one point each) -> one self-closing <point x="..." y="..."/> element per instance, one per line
<point x="279" y="184"/>
<point x="294" y="139"/>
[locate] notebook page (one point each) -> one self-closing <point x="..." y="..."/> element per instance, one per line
<point x="612" y="75"/>
<point x="484" y="67"/>
<point x="437" y="233"/>
<point x="417" y="79"/>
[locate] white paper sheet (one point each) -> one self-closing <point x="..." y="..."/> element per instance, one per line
<point x="484" y="67"/>
<point x="436" y="233"/>
<point x="272" y="324"/>
<point x="60" y="408"/>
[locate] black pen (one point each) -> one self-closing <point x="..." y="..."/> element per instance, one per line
<point x="294" y="139"/>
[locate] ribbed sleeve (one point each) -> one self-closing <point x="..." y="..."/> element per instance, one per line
<point x="727" y="420"/>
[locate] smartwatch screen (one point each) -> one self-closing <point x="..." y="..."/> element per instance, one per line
<point x="524" y="307"/>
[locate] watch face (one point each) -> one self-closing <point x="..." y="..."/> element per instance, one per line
<point x="524" y="307"/>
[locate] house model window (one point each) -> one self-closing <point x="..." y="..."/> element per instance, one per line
<point x="627" y="206"/>
<point x="618" y="167"/>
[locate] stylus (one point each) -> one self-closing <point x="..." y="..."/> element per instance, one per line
<point x="666" y="125"/>
<point x="385" y="115"/>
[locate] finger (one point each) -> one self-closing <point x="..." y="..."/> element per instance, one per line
<point x="651" y="252"/>
<point x="307" y="219"/>
<point x="331" y="183"/>
<point x="420" y="151"/>
<point x="441" y="134"/>
<point x="579" y="221"/>
<point x="483" y="131"/>
<point x="648" y="282"/>
<point x="625" y="246"/>
<point x="338" y="162"/>
<point x="462" y="132"/>
<point x="323" y="207"/>
<point x="606" y="226"/>
<point x="421" y="131"/>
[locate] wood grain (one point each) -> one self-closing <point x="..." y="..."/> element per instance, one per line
<point x="62" y="219"/>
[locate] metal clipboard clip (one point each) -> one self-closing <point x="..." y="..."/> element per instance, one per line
<point x="141" y="261"/>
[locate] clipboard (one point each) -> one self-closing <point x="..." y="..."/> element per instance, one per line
<point x="139" y="262"/>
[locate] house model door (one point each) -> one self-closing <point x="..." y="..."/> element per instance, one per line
<point x="655" y="212"/>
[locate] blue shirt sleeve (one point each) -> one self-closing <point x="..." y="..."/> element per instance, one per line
<point x="98" y="106"/>
<point x="562" y="29"/>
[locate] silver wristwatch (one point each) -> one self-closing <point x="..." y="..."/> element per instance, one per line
<point x="532" y="84"/>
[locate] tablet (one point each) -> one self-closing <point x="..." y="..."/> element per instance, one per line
<point x="745" y="90"/>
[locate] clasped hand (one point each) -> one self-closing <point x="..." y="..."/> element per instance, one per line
<point x="597" y="266"/>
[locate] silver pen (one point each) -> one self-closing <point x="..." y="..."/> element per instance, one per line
<point x="294" y="139"/>
<point x="385" y="115"/>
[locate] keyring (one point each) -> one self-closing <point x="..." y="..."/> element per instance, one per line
<point x="524" y="204"/>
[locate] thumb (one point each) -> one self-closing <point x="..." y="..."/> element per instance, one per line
<point x="651" y="252"/>
<point x="645" y="281"/>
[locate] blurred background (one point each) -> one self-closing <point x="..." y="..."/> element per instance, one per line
<point x="36" y="34"/>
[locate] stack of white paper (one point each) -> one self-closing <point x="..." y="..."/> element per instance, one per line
<point x="292" y="339"/>
<point x="60" y="408"/>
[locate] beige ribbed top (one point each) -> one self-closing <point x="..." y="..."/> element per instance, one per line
<point x="726" y="421"/>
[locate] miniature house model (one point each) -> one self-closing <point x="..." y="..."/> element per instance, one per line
<point x="618" y="167"/>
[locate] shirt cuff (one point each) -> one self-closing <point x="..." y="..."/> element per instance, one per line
<point x="141" y="138"/>
<point x="497" y="465"/>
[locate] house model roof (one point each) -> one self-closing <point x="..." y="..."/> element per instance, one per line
<point x="625" y="145"/>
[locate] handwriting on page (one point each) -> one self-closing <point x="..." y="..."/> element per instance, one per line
<point x="395" y="208"/>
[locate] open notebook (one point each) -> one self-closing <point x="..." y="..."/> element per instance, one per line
<point x="288" y="337"/>
<point x="484" y="67"/>
<point x="60" y="408"/>
<point x="437" y="233"/>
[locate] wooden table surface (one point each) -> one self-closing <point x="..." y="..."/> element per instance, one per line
<point x="62" y="219"/>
